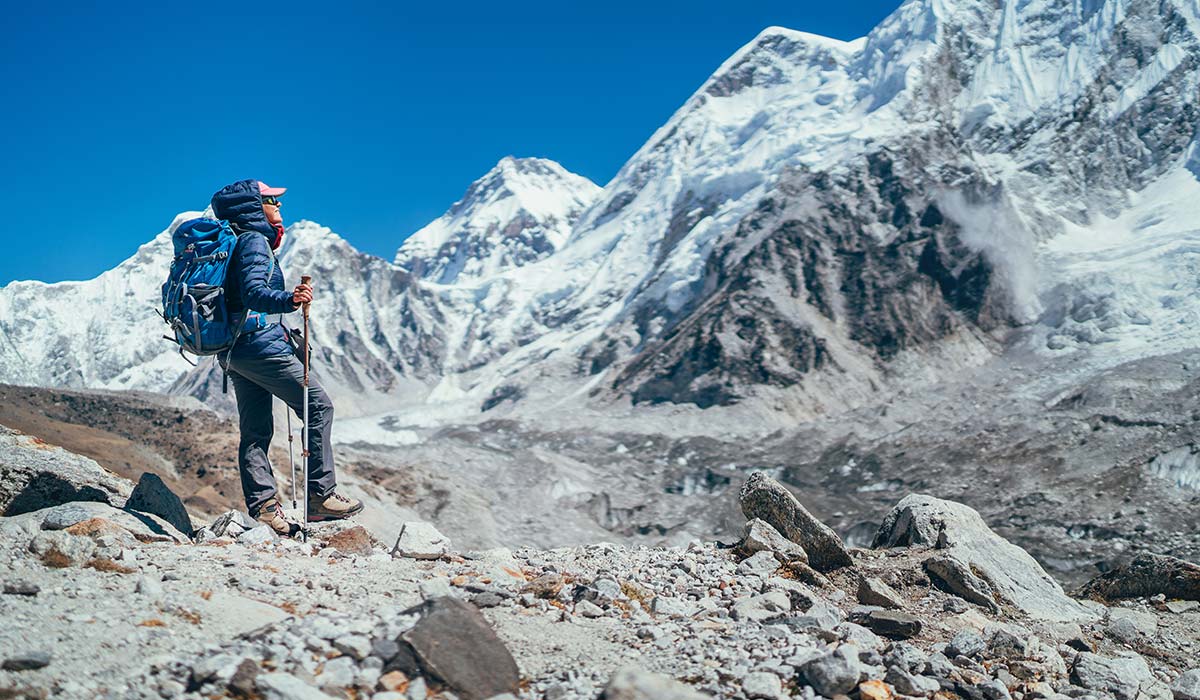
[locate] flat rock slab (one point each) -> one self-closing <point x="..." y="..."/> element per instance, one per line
<point x="637" y="684"/>
<point x="960" y="535"/>
<point x="35" y="475"/>
<point x="892" y="624"/>
<point x="420" y="540"/>
<point x="452" y="642"/>
<point x="766" y="499"/>
<point x="144" y="526"/>
<point x="151" y="495"/>
<point x="1147" y="575"/>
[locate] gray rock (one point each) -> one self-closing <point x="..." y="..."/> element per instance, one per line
<point x="149" y="586"/>
<point x="22" y="588"/>
<point x="762" y="607"/>
<point x="243" y="681"/>
<point x="151" y="495"/>
<point x="35" y="475"/>
<point x="873" y="591"/>
<point x="820" y="615"/>
<point x="337" y="673"/>
<point x="959" y="530"/>
<point x="420" y="540"/>
<point x="436" y="587"/>
<point x="355" y="645"/>
<point x="671" y="607"/>
<point x="636" y="684"/>
<point x="956" y="577"/>
<point x="833" y="674"/>
<point x="1187" y="686"/>
<point x="761" y="564"/>
<point x="61" y="549"/>
<point x="260" y="534"/>
<point x="1124" y="678"/>
<point x="761" y="685"/>
<point x="1128" y="626"/>
<point x="1147" y="575"/>
<point x="454" y="643"/>
<point x="588" y="609"/>
<point x="909" y="684"/>
<point x="892" y="623"/>
<point x="28" y="661"/>
<point x="218" y="668"/>
<point x="966" y="643"/>
<point x="284" y="686"/>
<point x="764" y="498"/>
<point x="759" y="536"/>
<point x="1182" y="606"/>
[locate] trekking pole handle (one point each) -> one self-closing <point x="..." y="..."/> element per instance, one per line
<point x="306" y="280"/>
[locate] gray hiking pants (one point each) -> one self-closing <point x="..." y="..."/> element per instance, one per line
<point x="255" y="381"/>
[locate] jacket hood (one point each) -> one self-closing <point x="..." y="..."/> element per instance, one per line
<point x="241" y="205"/>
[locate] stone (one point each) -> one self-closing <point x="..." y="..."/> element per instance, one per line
<point x="545" y="586"/>
<point x="337" y="673"/>
<point x="35" y="475"/>
<point x="1145" y="576"/>
<point x="420" y="540"/>
<point x="1128" y="626"/>
<point x="1179" y="607"/>
<point x="149" y="586"/>
<point x="588" y="609"/>
<point x="911" y="684"/>
<point x="22" y="588"/>
<point x="662" y="606"/>
<point x="956" y="577"/>
<point x="257" y="535"/>
<point x="766" y="499"/>
<point x="487" y="599"/>
<point x="152" y="495"/>
<point x="232" y="523"/>
<point x="284" y="686"/>
<point x="762" y="564"/>
<point x="959" y="531"/>
<point x="632" y="683"/>
<point x="355" y="645"/>
<point x="28" y="661"/>
<point x="1124" y="678"/>
<point x="108" y="520"/>
<point x="966" y="643"/>
<point x="436" y="587"/>
<point x="453" y="643"/>
<point x="1187" y="686"/>
<point x="836" y="673"/>
<point x="761" y="685"/>
<point x="892" y="624"/>
<point x="393" y="681"/>
<point x="59" y="549"/>
<point x="873" y="591"/>
<point x="352" y="540"/>
<point x="242" y="682"/>
<point x="759" y="536"/>
<point x="874" y="690"/>
<point x="218" y="668"/>
<point x="762" y="607"/>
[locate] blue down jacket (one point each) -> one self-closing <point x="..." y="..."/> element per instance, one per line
<point x="247" y="284"/>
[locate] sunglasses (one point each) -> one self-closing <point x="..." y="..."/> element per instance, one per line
<point x="272" y="201"/>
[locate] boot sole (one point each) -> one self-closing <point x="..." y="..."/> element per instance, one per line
<point x="326" y="518"/>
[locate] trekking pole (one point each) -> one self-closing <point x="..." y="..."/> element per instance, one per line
<point x="291" y="458"/>
<point x="306" y="280"/>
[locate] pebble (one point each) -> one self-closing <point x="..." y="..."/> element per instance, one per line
<point x="28" y="661"/>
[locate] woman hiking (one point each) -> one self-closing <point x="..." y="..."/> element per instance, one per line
<point x="263" y="361"/>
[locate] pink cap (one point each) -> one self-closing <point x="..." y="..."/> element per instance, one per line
<point x="266" y="189"/>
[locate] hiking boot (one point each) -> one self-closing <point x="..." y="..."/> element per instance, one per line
<point x="333" y="507"/>
<point x="271" y="513"/>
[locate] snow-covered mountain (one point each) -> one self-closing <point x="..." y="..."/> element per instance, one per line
<point x="819" y="222"/>
<point x="522" y="210"/>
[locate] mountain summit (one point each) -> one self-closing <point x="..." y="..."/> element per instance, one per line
<point x="520" y="211"/>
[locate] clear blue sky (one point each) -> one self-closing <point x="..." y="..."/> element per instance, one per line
<point x="376" y="116"/>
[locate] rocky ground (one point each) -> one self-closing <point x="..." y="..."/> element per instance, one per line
<point x="110" y="602"/>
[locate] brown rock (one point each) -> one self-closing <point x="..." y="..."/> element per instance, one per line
<point x="545" y="586"/>
<point x="354" y="540"/>
<point x="765" y="498"/>
<point x="394" y="681"/>
<point x="875" y="690"/>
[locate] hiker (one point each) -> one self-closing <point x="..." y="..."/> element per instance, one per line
<point x="264" y="362"/>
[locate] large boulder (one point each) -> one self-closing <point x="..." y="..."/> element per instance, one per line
<point x="453" y="644"/>
<point x="69" y="516"/>
<point x="1147" y="575"/>
<point x="967" y="545"/>
<point x="151" y="495"/>
<point x="36" y="475"/>
<point x="766" y="499"/>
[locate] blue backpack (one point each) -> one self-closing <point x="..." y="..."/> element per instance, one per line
<point x="193" y="297"/>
